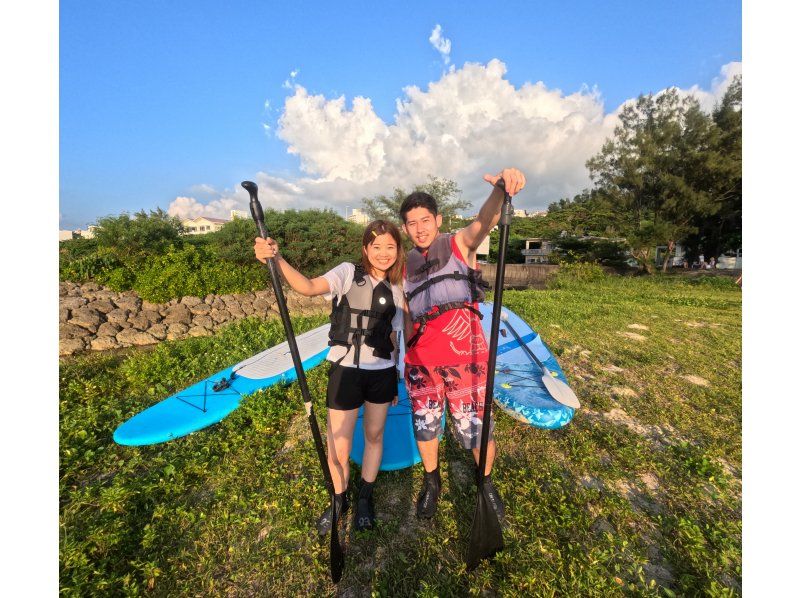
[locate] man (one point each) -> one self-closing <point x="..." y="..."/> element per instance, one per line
<point x="447" y="351"/>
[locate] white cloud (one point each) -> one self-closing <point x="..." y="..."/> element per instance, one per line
<point x="719" y="85"/>
<point x="440" y="43"/>
<point x="189" y="207"/>
<point x="470" y="122"/>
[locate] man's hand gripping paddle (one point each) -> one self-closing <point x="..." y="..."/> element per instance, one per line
<point x="486" y="537"/>
<point x="557" y="389"/>
<point x="337" y="555"/>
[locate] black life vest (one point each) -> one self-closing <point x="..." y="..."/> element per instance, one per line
<point x="364" y="315"/>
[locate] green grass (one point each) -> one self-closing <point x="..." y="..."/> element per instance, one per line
<point x="639" y="495"/>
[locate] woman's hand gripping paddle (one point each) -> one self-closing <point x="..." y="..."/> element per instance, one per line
<point x="486" y="536"/>
<point x="557" y="389"/>
<point x="337" y="555"/>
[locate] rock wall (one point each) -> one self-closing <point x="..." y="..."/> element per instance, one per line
<point x="93" y="318"/>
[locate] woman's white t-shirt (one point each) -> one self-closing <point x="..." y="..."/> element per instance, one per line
<point x="340" y="279"/>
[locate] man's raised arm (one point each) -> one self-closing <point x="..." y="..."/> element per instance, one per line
<point x="472" y="235"/>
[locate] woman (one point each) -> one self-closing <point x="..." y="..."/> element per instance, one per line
<point x="367" y="311"/>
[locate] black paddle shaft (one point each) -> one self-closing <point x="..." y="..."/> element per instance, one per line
<point x="486" y="535"/>
<point x="506" y="213"/>
<point x="522" y="344"/>
<point x="258" y="215"/>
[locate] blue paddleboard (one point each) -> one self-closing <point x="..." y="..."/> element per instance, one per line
<point x="518" y="386"/>
<point x="199" y="406"/>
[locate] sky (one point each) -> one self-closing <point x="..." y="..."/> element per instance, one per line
<point x="171" y="105"/>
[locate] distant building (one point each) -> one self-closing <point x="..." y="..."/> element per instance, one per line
<point x="358" y="217"/>
<point x="203" y="225"/>
<point x="239" y="214"/>
<point x="537" y="251"/>
<point x="66" y="235"/>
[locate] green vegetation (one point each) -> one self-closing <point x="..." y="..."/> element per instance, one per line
<point x="671" y="173"/>
<point x="445" y="191"/>
<point x="639" y="495"/>
<point x="150" y="254"/>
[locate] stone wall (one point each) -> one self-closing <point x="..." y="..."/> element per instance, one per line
<point x="93" y="318"/>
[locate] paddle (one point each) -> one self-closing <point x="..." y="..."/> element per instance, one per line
<point x="337" y="555"/>
<point x="486" y="537"/>
<point x="557" y="389"/>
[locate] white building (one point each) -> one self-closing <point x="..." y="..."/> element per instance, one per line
<point x="202" y="225"/>
<point x="537" y="251"/>
<point x="239" y="214"/>
<point x="66" y="235"/>
<point x="358" y="217"/>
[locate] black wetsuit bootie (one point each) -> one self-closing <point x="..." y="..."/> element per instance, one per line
<point x="342" y="504"/>
<point x="365" y="509"/>
<point x="429" y="495"/>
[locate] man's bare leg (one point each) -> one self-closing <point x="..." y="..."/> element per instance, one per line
<point x="491" y="449"/>
<point x="429" y="451"/>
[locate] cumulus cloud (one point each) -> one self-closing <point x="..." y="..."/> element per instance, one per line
<point x="274" y="192"/>
<point x="440" y="43"/>
<point x="470" y="122"/>
<point x="719" y="86"/>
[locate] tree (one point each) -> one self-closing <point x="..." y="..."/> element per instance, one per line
<point x="657" y="171"/>
<point x="444" y="191"/>
<point x="313" y="241"/>
<point x="133" y="238"/>
<point x="724" y="231"/>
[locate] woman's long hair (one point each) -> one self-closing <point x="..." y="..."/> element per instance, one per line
<point x="375" y="229"/>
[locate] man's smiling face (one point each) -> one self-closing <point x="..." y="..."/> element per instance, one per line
<point x="422" y="226"/>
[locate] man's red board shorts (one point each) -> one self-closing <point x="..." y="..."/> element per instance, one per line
<point x="464" y="387"/>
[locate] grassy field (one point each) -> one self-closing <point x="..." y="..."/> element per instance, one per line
<point x="639" y="495"/>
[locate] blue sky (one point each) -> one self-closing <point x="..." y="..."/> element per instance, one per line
<point x="168" y="104"/>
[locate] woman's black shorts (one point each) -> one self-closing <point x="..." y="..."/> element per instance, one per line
<point x="349" y="388"/>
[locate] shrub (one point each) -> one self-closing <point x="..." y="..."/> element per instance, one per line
<point x="134" y="238"/>
<point x="194" y="271"/>
<point x="117" y="279"/>
<point x="576" y="273"/>
<point x="79" y="266"/>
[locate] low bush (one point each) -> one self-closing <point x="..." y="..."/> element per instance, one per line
<point x="577" y="273"/>
<point x="194" y="271"/>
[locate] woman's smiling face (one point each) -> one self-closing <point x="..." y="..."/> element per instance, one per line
<point x="382" y="254"/>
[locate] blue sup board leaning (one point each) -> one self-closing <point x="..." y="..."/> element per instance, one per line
<point x="518" y="386"/>
<point x="210" y="400"/>
<point x="518" y="391"/>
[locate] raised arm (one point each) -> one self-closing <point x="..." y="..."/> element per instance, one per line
<point x="471" y="236"/>
<point x="310" y="288"/>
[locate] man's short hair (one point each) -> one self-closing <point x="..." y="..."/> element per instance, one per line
<point x="418" y="199"/>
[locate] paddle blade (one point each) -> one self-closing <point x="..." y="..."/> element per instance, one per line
<point x="337" y="555"/>
<point x="559" y="390"/>
<point x="486" y="537"/>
